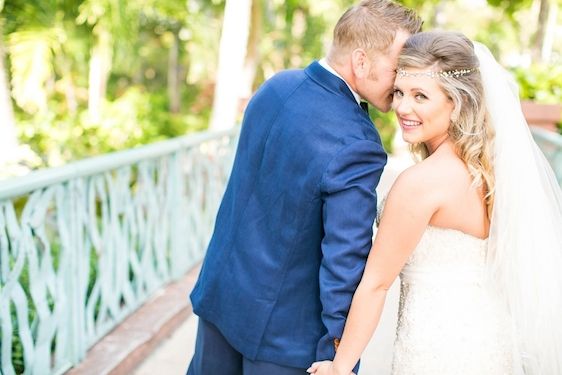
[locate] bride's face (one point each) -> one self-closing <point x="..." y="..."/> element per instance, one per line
<point x="423" y="109"/>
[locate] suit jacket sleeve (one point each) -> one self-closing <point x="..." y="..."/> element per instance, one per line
<point x="349" y="209"/>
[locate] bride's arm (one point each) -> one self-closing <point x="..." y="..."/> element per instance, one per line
<point x="409" y="207"/>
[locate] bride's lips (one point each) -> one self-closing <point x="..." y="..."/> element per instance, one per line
<point x="407" y="124"/>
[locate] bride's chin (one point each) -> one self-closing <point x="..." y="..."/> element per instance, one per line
<point x="408" y="140"/>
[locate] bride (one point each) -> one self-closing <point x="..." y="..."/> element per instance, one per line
<point x="474" y="229"/>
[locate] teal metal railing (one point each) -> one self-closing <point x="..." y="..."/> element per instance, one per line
<point x="84" y="245"/>
<point x="551" y="145"/>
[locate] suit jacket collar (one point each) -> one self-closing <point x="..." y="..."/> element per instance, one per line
<point x="329" y="81"/>
<point x="327" y="66"/>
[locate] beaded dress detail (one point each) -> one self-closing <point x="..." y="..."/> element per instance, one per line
<point x="450" y="321"/>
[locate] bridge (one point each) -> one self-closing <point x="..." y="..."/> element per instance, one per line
<point x="97" y="257"/>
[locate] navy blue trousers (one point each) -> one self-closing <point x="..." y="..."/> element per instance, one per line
<point x="214" y="355"/>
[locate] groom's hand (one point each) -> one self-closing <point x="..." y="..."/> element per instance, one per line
<point x="324" y="368"/>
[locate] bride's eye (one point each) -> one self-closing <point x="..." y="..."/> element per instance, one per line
<point x="397" y="93"/>
<point x="419" y="96"/>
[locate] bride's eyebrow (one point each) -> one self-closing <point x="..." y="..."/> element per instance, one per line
<point x="411" y="89"/>
<point x="418" y="89"/>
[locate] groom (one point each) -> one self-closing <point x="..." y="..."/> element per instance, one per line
<point x="295" y="224"/>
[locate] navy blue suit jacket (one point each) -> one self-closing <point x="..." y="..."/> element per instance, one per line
<point x="295" y="224"/>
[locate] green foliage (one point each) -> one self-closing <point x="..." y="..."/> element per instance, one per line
<point x="18" y="359"/>
<point x="134" y="118"/>
<point x="24" y="279"/>
<point x="31" y="51"/>
<point x="50" y="45"/>
<point x="17" y="346"/>
<point x="386" y="126"/>
<point x="540" y="82"/>
<point x="510" y="6"/>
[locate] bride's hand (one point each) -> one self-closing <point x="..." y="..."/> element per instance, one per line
<point x="324" y="368"/>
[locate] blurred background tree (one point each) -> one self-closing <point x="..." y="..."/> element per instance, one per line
<point x="85" y="77"/>
<point x="90" y="77"/>
<point x="8" y="137"/>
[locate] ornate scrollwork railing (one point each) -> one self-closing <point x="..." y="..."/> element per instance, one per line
<point x="84" y="245"/>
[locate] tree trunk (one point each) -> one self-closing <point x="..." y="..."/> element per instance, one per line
<point x="8" y="137"/>
<point x="541" y="30"/>
<point x="174" y="75"/>
<point x="548" y="41"/>
<point x="437" y="19"/>
<point x="232" y="50"/>
<point x="100" y="67"/>
<point x="253" y="53"/>
<point x="69" y="87"/>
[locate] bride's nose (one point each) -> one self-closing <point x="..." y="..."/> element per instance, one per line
<point x="401" y="106"/>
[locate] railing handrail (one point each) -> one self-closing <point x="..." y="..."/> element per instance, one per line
<point x="17" y="186"/>
<point x="38" y="179"/>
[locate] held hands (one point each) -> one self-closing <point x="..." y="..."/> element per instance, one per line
<point x="324" y="368"/>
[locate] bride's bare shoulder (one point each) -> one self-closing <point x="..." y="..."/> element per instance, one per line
<point x="431" y="178"/>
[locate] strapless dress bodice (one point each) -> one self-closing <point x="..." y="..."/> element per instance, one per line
<point x="450" y="320"/>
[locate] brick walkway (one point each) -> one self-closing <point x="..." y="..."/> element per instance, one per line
<point x="174" y="354"/>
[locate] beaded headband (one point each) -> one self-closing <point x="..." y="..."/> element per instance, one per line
<point x="401" y="72"/>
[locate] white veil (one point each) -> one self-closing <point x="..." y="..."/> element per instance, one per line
<point x="525" y="243"/>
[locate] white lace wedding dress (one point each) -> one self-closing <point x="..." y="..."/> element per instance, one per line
<point x="450" y="322"/>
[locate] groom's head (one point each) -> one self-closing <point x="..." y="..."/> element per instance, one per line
<point x="367" y="41"/>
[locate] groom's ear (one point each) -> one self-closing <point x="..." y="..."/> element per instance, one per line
<point x="360" y="63"/>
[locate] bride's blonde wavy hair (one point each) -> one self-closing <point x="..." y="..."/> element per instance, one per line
<point x="470" y="128"/>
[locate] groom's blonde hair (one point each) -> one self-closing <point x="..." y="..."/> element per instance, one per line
<point x="470" y="129"/>
<point x="372" y="26"/>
